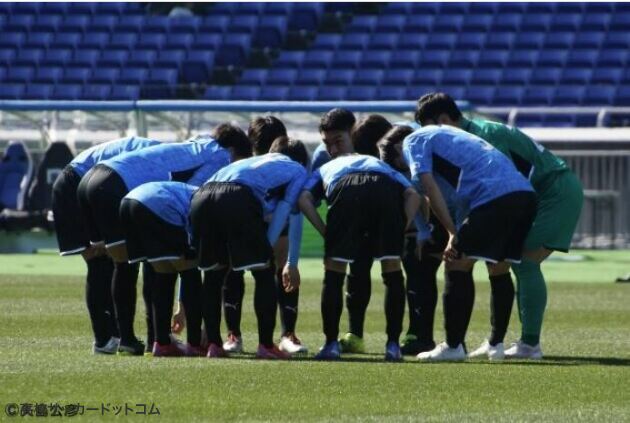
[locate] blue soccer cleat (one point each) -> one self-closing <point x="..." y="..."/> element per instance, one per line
<point x="330" y="351"/>
<point x="392" y="352"/>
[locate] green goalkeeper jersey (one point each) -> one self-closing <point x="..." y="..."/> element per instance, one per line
<point x="530" y="158"/>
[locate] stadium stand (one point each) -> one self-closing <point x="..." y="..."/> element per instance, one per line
<point x="519" y="54"/>
<point x="16" y="170"/>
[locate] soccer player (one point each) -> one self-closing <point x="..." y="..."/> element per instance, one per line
<point x="368" y="203"/>
<point x="73" y="238"/>
<point x="560" y="198"/>
<point x="262" y="131"/>
<point x="192" y="161"/>
<point x="230" y="233"/>
<point x="422" y="257"/>
<point x="453" y="166"/>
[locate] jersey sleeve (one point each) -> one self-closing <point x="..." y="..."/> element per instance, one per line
<point x="419" y="157"/>
<point x="295" y="187"/>
<point x="320" y="157"/>
<point x="295" y="238"/>
<point x="315" y="184"/>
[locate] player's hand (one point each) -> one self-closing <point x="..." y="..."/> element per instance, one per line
<point x="179" y="321"/>
<point x="290" y="278"/>
<point x="450" y="253"/>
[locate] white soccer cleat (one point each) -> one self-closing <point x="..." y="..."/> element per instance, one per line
<point x="292" y="345"/>
<point x="442" y="352"/>
<point x="522" y="351"/>
<point x="111" y="347"/>
<point x="233" y="344"/>
<point x="493" y="353"/>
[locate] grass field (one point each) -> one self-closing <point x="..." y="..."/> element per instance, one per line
<point x="45" y="358"/>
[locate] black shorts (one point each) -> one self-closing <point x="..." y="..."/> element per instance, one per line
<point x="228" y="227"/>
<point x="365" y="207"/>
<point x="496" y="231"/>
<point x="100" y="192"/>
<point x="151" y="238"/>
<point x="72" y="234"/>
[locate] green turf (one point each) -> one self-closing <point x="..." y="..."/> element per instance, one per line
<point x="45" y="342"/>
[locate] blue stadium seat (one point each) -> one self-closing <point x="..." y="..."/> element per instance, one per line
<point x="125" y="92"/>
<point x="582" y="58"/>
<point x="332" y="93"/>
<point x="617" y="39"/>
<point x="75" y="23"/>
<point x="95" y="92"/>
<point x="516" y="76"/>
<point x="559" y="40"/>
<point x="30" y="57"/>
<point x="464" y="58"/>
<point x="47" y="23"/>
<point x="198" y="66"/>
<point x="234" y="51"/>
<point x="570" y="7"/>
<point x="343" y="7"/>
<point x="620" y="21"/>
<point x="474" y="23"/>
<point x="207" y="41"/>
<point x="622" y="98"/>
<point x="142" y="58"/>
<point x="348" y="59"/>
<point x="613" y="57"/>
<point x="415" y="42"/>
<point x="534" y="8"/>
<point x="552" y="58"/>
<point x="576" y="76"/>
<point x="246" y="92"/>
<point x="66" y="92"/>
<point x="38" y="40"/>
<point x="418" y="24"/>
<point x="375" y="58"/>
<point x="522" y="58"/>
<point x="12" y="40"/>
<point x="49" y="75"/>
<point x="471" y="40"/>
<point x="21" y="23"/>
<point x="508" y="95"/>
<point x="151" y="41"/>
<point x="480" y="95"/>
<point x="397" y="8"/>
<point x="607" y="75"/>
<point x="489" y="8"/>
<point x="500" y="40"/>
<point x="536" y="22"/>
<point x="310" y="77"/>
<point x="404" y="59"/>
<point x="96" y="40"/>
<point x="448" y="23"/>
<point x="538" y="95"/>
<point x="126" y="40"/>
<point x="6" y="56"/>
<point x="566" y="22"/>
<point x="254" y="76"/>
<point x="179" y="41"/>
<point x="84" y="58"/>
<point x="105" y="23"/>
<point x="372" y="77"/>
<point x="253" y="8"/>
<point x="335" y="76"/>
<point x="599" y="95"/>
<point x="441" y="41"/>
<point x="454" y="76"/>
<point x="116" y="8"/>
<point x="76" y="75"/>
<point x="214" y="25"/>
<point x="156" y="24"/>
<point x="486" y="76"/>
<point x="451" y="8"/>
<point x="398" y="77"/>
<point x="133" y="76"/>
<point x="529" y="40"/>
<point x="455" y="91"/>
<point x="569" y="95"/>
<point x="274" y="93"/>
<point x="599" y="7"/>
<point x="290" y="59"/>
<point x="185" y="25"/>
<point x="392" y="93"/>
<point x="38" y="91"/>
<point x="56" y="57"/>
<point x="279" y="8"/>
<point x="546" y="76"/>
<point x="271" y="31"/>
<point x="595" y="21"/>
<point x="26" y="8"/>
<point x="243" y="23"/>
<point x="303" y="93"/>
<point x="112" y="58"/>
<point x="354" y="41"/>
<point x="223" y="8"/>
<point x="164" y="82"/>
<point x="431" y="59"/>
<point x="104" y="75"/>
<point x="11" y="91"/>
<point x="129" y="23"/>
<point x="282" y="76"/>
<point x="51" y="8"/>
<point x="423" y="8"/>
<point x="214" y="92"/>
<point x="327" y="42"/>
<point x="390" y="23"/>
<point x="493" y="58"/>
<point x="507" y="22"/>
<point x="305" y="16"/>
<point x="361" y="93"/>
<point x="66" y="40"/>
<point x="317" y="59"/>
<point x="427" y="77"/>
<point x="362" y="24"/>
<point x="171" y="59"/>
<point x="591" y="39"/>
<point x="383" y="41"/>
<point x="21" y="74"/>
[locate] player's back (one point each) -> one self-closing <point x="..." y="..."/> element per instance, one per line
<point x="168" y="199"/>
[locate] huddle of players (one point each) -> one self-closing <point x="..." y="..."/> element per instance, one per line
<point x="409" y="199"/>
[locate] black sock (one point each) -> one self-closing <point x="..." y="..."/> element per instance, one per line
<point x="265" y="304"/>
<point x="212" y="289"/>
<point x="458" y="300"/>
<point x="163" y="295"/>
<point x="148" y="282"/>
<point x="191" y="299"/>
<point x="287" y="304"/>
<point x="98" y="297"/>
<point x="332" y="303"/>
<point x="358" y="293"/>
<point x="501" y="300"/>
<point x="233" y="293"/>
<point x="124" y="294"/>
<point x="394" y="304"/>
<point x="421" y="295"/>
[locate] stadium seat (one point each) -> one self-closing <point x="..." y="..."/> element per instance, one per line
<point x="576" y="76"/>
<point x="66" y="92"/>
<point x="361" y="93"/>
<point x="243" y="23"/>
<point x="582" y="58"/>
<point x="562" y="40"/>
<point x="198" y="67"/>
<point x="234" y="51"/>
<point x="46" y="23"/>
<point x="16" y="169"/>
<point x="516" y="76"/>
<point x="518" y="58"/>
<point x="207" y="41"/>
<point x="95" y="92"/>
<point x="422" y="8"/>
<point x="84" y="58"/>
<point x="11" y="91"/>
<point x="274" y="93"/>
<point x="569" y="95"/>
<point x="468" y="58"/>
<point x="111" y="57"/>
<point x="348" y="59"/>
<point x="529" y="40"/>
<point x="279" y="8"/>
<point x="303" y="93"/>
<point x="218" y="93"/>
<point x="38" y="40"/>
<point x="30" y="57"/>
<point x="418" y="24"/>
<point x="481" y="95"/>
<point x="447" y="24"/>
<point x="489" y="76"/>
<point x="501" y="40"/>
<point x="538" y="95"/>
<point x="179" y="41"/>
<point x="536" y="22"/>
<point x="546" y="76"/>
<point x="455" y="91"/>
<point x="270" y="32"/>
<point x="310" y="77"/>
<point x="22" y="74"/>
<point x="185" y="25"/>
<point x="290" y="59"/>
<point x="105" y="23"/>
<point x="354" y="41"/>
<point x="129" y="23"/>
<point x="76" y="75"/>
<point x="75" y="23"/>
<point x="599" y="95"/>
<point x="50" y="75"/>
<point x="66" y="40"/>
<point x="305" y="16"/>
<point x="607" y="75"/>
<point x="123" y="40"/>
<point x="481" y="23"/>
<point x="133" y="75"/>
<point x="456" y="76"/>
<point x="254" y="77"/>
<point x="156" y="24"/>
<point x="96" y="40"/>
<point x="620" y="21"/>
<point x="38" y="91"/>
<point x="566" y="22"/>
<point x="400" y="77"/>
<point x="392" y="93"/>
<point x="617" y="39"/>
<point x="332" y="93"/>
<point x="372" y="77"/>
<point x="326" y="42"/>
<point x="427" y="77"/>
<point x="390" y="23"/>
<point x="416" y="42"/>
<point x="214" y="25"/>
<point x="595" y="21"/>
<point x="530" y="120"/>
<point x="441" y="41"/>
<point x="6" y="56"/>
<point x="19" y="23"/>
<point x="622" y="97"/>
<point x="171" y="59"/>
<point x="508" y="95"/>
<point x="613" y="57"/>
<point x="586" y="40"/>
<point x="493" y="58"/>
<point x="375" y="58"/>
<point x="507" y="22"/>
<point x="404" y="59"/>
<point x="150" y="41"/>
<point x="317" y="59"/>
<point x="552" y="58"/>
<point x="104" y="75"/>
<point x="483" y="8"/>
<point x="362" y="24"/>
<point x="246" y="92"/>
<point x="454" y="8"/>
<point x="431" y="59"/>
<point x="397" y="8"/>
<point x="335" y="76"/>
<point x="383" y="41"/>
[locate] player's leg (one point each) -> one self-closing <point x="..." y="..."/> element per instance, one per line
<point x="149" y="280"/>
<point x="233" y="294"/>
<point x="191" y="295"/>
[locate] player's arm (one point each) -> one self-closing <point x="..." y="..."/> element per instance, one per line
<point x="438" y="205"/>
<point x="311" y="194"/>
<point x="290" y="273"/>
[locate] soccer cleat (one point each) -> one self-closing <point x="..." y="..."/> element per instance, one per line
<point x="492" y="352"/>
<point x="392" y="352"/>
<point x="523" y="351"/>
<point x="330" y="351"/>
<point x="110" y="347"/>
<point x="411" y="345"/>
<point x="291" y="344"/>
<point x="442" y="352"/>
<point x="195" y="351"/>
<point x="350" y="343"/>
<point x="174" y="349"/>
<point x="216" y="351"/>
<point x="271" y="353"/>
<point x="135" y="347"/>
<point x="233" y="344"/>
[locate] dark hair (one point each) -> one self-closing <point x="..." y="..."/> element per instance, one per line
<point x="337" y="120"/>
<point x="294" y="149"/>
<point x="231" y="136"/>
<point x="263" y="130"/>
<point x="367" y="132"/>
<point x="387" y="144"/>
<point x="432" y="105"/>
